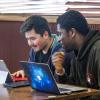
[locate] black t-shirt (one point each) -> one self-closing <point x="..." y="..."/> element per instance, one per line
<point x="43" y="58"/>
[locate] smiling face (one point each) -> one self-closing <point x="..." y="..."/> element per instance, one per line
<point x="36" y="41"/>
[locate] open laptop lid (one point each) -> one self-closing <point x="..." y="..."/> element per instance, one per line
<point x="4" y="73"/>
<point x="40" y="76"/>
<point x="3" y="66"/>
<point x="7" y="80"/>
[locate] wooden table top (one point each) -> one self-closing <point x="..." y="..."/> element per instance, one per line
<point x="27" y="93"/>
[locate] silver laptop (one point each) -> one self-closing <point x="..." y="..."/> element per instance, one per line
<point x="7" y="78"/>
<point x="41" y="78"/>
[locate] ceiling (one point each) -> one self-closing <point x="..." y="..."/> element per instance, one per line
<point x="49" y="7"/>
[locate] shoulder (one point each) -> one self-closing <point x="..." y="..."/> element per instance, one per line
<point x="96" y="47"/>
<point x="95" y="51"/>
<point x="56" y="45"/>
<point x="55" y="40"/>
<point x="97" y="44"/>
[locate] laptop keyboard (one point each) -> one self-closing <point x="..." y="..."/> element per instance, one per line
<point x="62" y="89"/>
<point x="17" y="84"/>
<point x="71" y="88"/>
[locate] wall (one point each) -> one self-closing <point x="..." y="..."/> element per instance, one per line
<point x="13" y="46"/>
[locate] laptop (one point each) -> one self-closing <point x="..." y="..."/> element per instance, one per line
<point x="41" y="78"/>
<point x="8" y="80"/>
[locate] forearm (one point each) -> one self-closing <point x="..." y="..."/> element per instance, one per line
<point x="61" y="78"/>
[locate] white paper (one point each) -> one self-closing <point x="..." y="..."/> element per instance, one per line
<point x="3" y="76"/>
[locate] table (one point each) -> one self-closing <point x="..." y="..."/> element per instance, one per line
<point x="27" y="93"/>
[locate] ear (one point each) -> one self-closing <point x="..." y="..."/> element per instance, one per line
<point x="73" y="32"/>
<point x="45" y="35"/>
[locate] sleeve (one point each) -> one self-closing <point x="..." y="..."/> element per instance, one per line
<point x="68" y="78"/>
<point x="93" y="68"/>
<point x="97" y="63"/>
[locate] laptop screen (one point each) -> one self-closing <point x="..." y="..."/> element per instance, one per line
<point x="3" y="66"/>
<point x="40" y="76"/>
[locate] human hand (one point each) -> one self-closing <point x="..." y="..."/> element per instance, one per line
<point x="57" y="60"/>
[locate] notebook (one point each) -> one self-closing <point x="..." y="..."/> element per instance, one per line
<point x="41" y="78"/>
<point x="8" y="80"/>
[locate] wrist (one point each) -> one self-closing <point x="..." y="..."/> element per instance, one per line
<point x="60" y="72"/>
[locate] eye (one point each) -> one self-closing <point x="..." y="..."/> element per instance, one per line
<point x="32" y="38"/>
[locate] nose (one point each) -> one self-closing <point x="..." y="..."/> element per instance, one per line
<point x="29" y="42"/>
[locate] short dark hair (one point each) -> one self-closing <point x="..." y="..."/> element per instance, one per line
<point x="38" y="23"/>
<point x="74" y="19"/>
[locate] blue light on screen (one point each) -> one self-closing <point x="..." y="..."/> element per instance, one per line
<point x="39" y="78"/>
